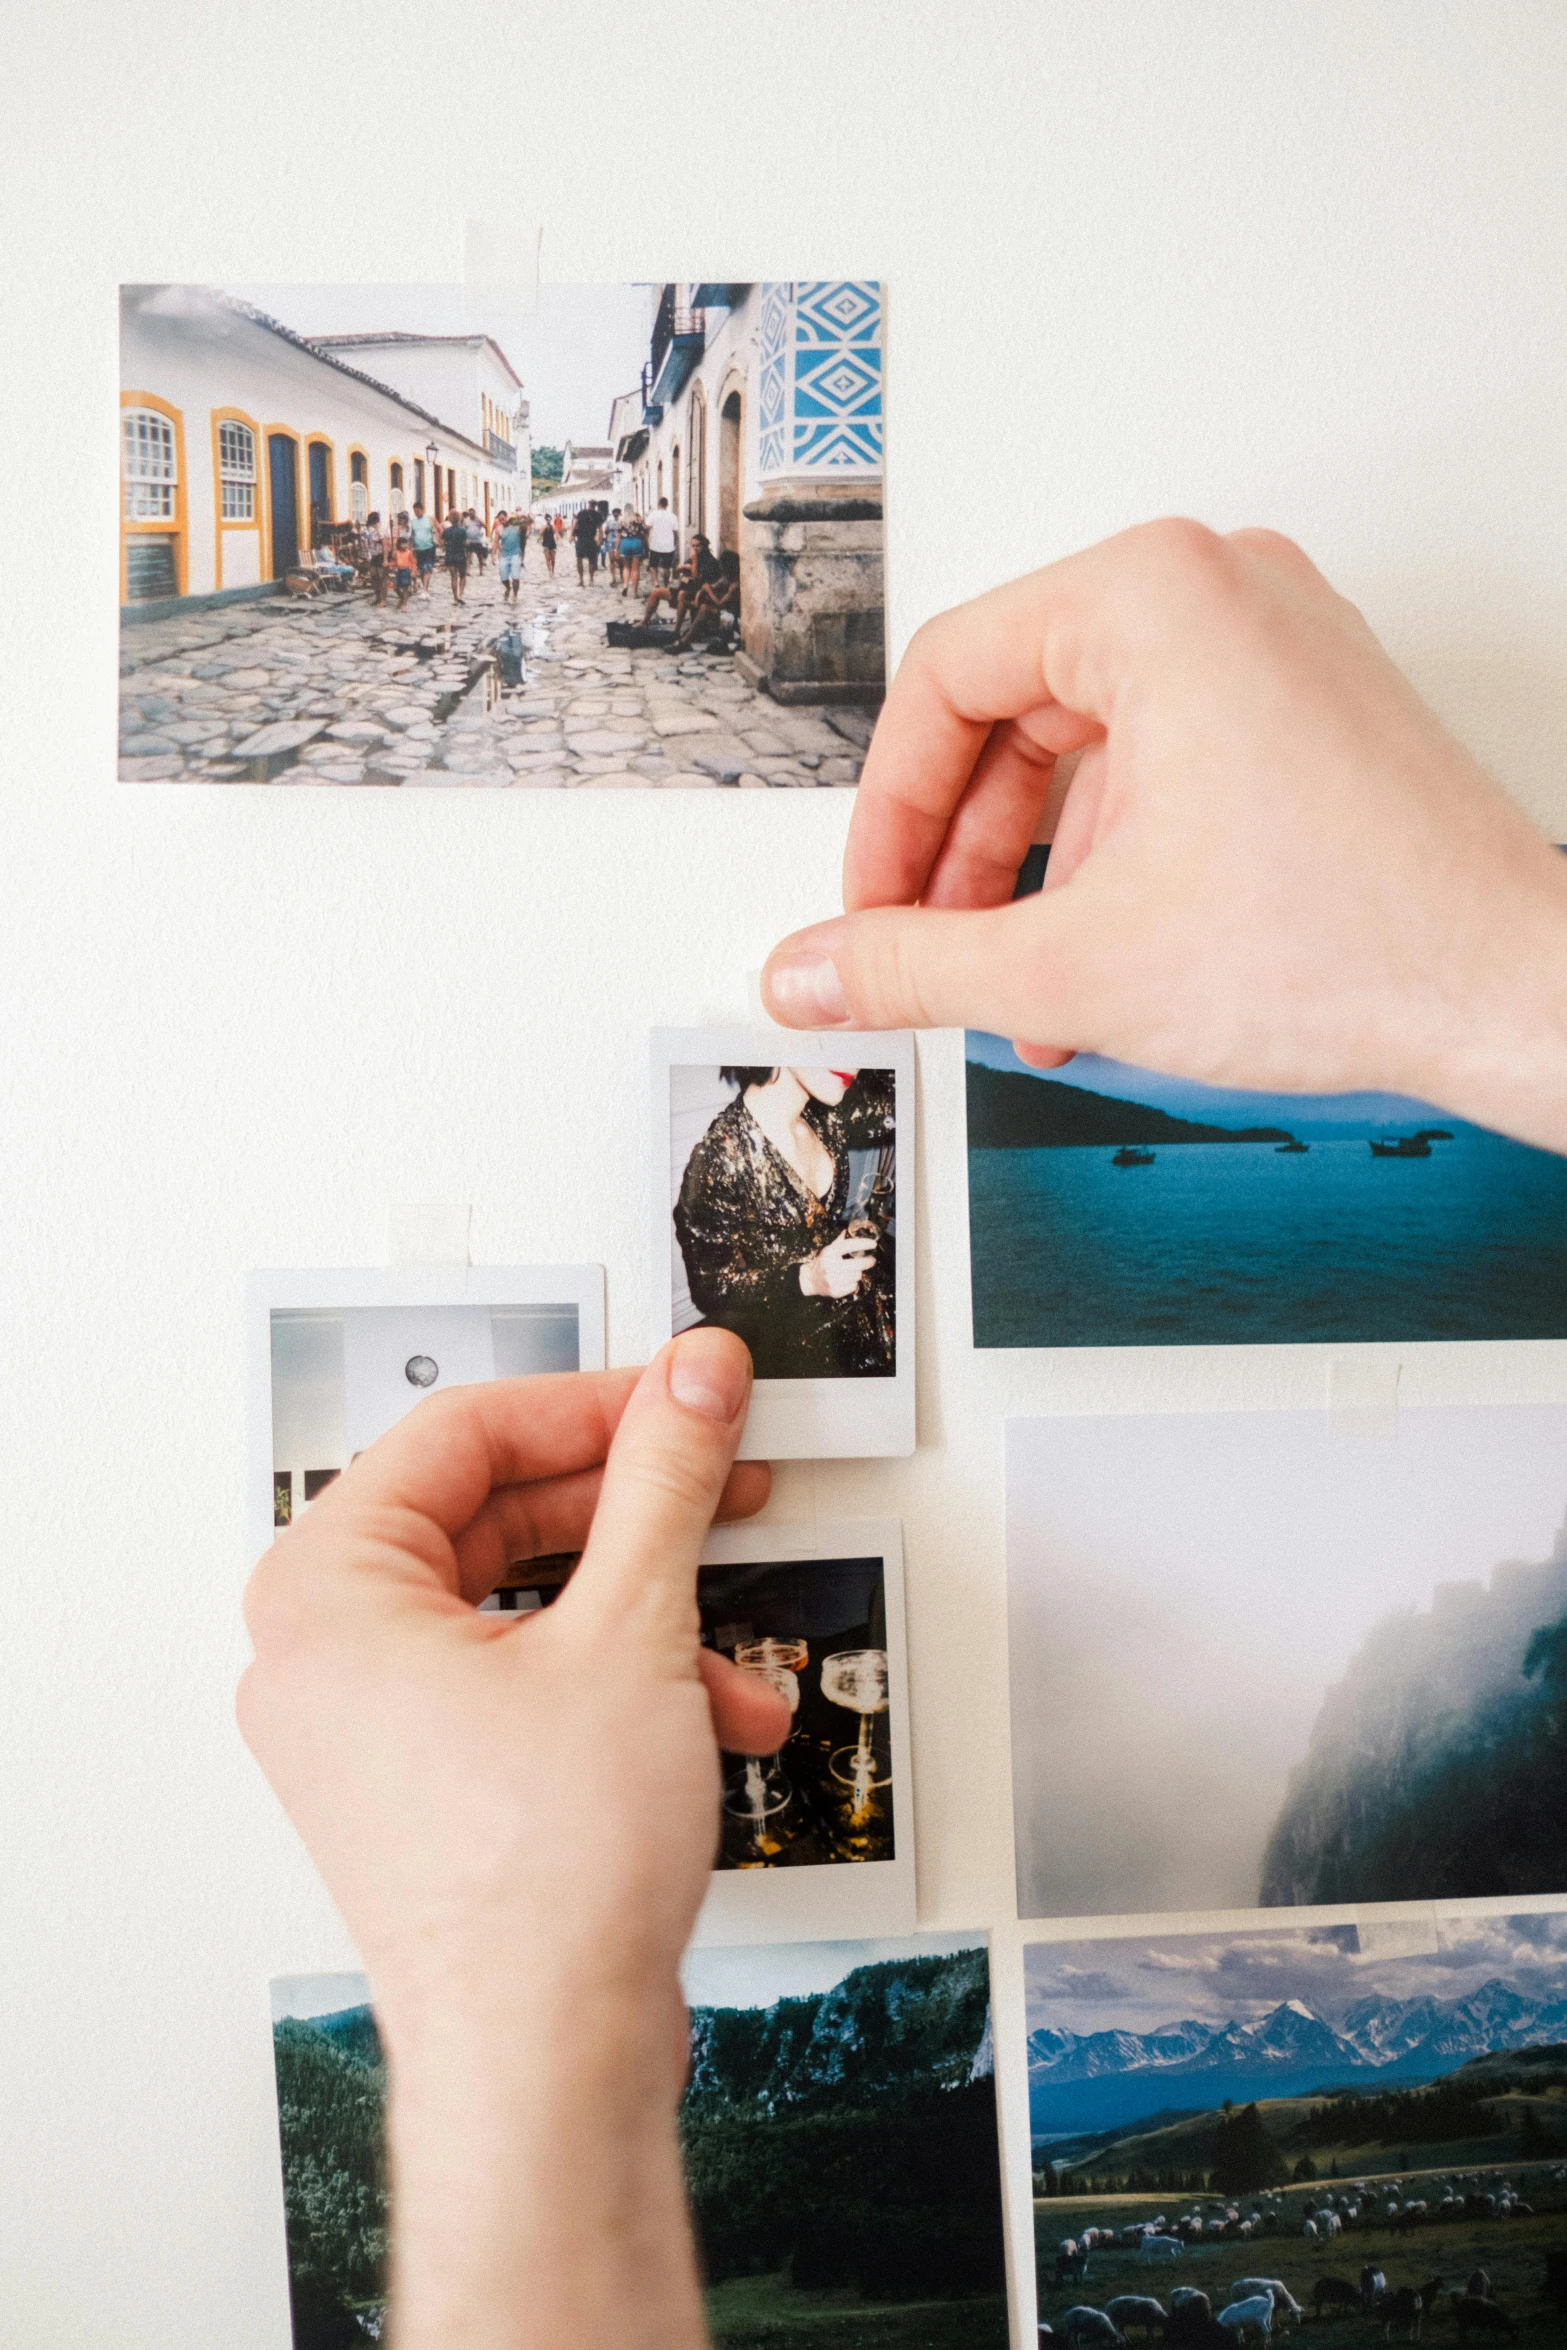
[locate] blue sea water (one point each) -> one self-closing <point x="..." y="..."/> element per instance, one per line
<point x="1227" y="1244"/>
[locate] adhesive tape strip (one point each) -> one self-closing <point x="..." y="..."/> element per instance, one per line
<point x="755" y="1009"/>
<point x="1401" y="1929"/>
<point x="1363" y="1395"/>
<point x="427" y="1232"/>
<point x="501" y="256"/>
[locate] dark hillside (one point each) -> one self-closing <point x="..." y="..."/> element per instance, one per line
<point x="848" y="2139"/>
<point x="1438" y="1766"/>
<point x="1009" y="1112"/>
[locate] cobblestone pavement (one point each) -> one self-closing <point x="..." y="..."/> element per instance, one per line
<point x="329" y="690"/>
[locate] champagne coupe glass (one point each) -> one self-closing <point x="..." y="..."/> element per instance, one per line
<point x="758" y="1791"/>
<point x="857" y="1679"/>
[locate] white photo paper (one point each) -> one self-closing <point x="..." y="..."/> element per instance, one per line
<point x="780" y="1191"/>
<point x="817" y="1840"/>
<point x="335" y="1358"/>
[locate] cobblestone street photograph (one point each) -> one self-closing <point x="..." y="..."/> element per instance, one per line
<point x="631" y="536"/>
<point x="340" y="692"/>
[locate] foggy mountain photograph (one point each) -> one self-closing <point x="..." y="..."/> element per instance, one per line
<point x="1329" y="1668"/>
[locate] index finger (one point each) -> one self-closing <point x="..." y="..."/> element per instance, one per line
<point x="453" y="1450"/>
<point x="1035" y="647"/>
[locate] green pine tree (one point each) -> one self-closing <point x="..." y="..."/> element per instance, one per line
<point x="1244" y="2156"/>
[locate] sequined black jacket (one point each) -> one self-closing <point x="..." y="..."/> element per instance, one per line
<point x="746" y="1223"/>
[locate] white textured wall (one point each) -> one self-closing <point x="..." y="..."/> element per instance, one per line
<point x="1303" y="265"/>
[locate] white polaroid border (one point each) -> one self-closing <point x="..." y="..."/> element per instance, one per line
<point x="836" y="1900"/>
<point x="802" y="1419"/>
<point x="581" y="1286"/>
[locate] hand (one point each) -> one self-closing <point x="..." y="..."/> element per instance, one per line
<point x="1271" y="865"/>
<point x="838" y="1269"/>
<point x="517" y="1816"/>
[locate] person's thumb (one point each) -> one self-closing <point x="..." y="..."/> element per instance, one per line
<point x="1006" y="968"/>
<point x="672" y="1451"/>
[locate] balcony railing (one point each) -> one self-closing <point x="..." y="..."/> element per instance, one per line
<point x="502" y="451"/>
<point x="679" y="334"/>
<point x="673" y="325"/>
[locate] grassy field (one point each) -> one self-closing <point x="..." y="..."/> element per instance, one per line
<point x="765" y="2313"/>
<point x="1184" y="2145"/>
<point x="1511" y="2251"/>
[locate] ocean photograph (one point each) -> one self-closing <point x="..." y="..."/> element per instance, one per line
<point x="838" y="2132"/>
<point x="1288" y="2118"/>
<point x="1259" y="1662"/>
<point x="1109" y="1206"/>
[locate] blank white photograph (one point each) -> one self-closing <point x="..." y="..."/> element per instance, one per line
<point x="335" y="1358"/>
<point x="779" y="1192"/>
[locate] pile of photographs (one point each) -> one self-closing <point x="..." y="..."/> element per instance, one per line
<point x="1288" y="1689"/>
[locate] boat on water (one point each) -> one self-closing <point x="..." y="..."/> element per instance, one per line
<point x="1130" y="1156"/>
<point x="1290" y="1149"/>
<point x="1402" y="1146"/>
<point x="1433" y="1134"/>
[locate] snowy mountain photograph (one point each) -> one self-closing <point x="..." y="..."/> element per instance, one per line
<point x="1287" y="1659"/>
<point x="1123" y="2032"/>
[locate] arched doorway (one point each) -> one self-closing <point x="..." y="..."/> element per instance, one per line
<point x="730" y="422"/>
<point x="321" y="515"/>
<point x="283" y="504"/>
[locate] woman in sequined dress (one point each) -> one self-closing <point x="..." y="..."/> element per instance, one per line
<point x="774" y="1248"/>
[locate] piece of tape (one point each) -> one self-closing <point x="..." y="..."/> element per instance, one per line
<point x="503" y="257"/>
<point x="755" y="1009"/>
<point x="427" y="1232"/>
<point x="1402" y="1929"/>
<point x="1363" y="1395"/>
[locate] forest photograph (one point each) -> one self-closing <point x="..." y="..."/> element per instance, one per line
<point x="839" y="2134"/>
<point x="838" y="2131"/>
<point x="1331" y="1666"/>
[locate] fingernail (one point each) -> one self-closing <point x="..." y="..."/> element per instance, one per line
<point x="804" y="991"/>
<point x="710" y="1374"/>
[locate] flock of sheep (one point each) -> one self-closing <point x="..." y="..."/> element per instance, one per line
<point x="1256" y="2306"/>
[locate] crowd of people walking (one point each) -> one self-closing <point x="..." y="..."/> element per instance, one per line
<point x="401" y="557"/>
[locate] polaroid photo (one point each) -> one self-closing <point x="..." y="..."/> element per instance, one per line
<point x="838" y="2129"/>
<point x="335" y="1358"/>
<point x="1330" y="1668"/>
<point x="1328" y="2127"/>
<point x="818" y="1839"/>
<point x="431" y="536"/>
<point x="781" y="1192"/>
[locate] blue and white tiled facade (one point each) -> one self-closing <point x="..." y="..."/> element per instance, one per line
<point x="820" y="379"/>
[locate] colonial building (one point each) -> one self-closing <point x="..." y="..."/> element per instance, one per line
<point x="468" y="379"/>
<point x="759" y="417"/>
<point x="589" y="476"/>
<point x="242" y="443"/>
